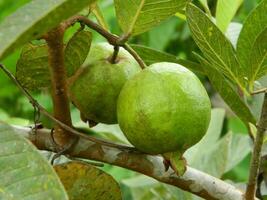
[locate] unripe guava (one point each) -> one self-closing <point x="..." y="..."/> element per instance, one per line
<point x="94" y="89"/>
<point x="164" y="108"/>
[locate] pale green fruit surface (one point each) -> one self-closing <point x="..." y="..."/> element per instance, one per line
<point x="94" y="91"/>
<point x="164" y="108"/>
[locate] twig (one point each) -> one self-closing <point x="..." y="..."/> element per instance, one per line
<point x="262" y="90"/>
<point x="256" y="157"/>
<point x="113" y="58"/>
<point x="64" y="126"/>
<point x="194" y="181"/>
<point x="111" y="38"/>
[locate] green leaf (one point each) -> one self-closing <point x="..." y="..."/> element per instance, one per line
<point x="33" y="20"/>
<point x="99" y="16"/>
<point x="255" y="23"/>
<point x="229" y="95"/>
<point x="32" y="67"/>
<point x="25" y="174"/>
<point x="151" y="56"/>
<point x="206" y="6"/>
<point x="215" y="46"/>
<point x="225" y="11"/>
<point x="136" y="17"/>
<point x="258" y="57"/>
<point x="86" y="182"/>
<point x="77" y="50"/>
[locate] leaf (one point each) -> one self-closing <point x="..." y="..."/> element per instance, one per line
<point x="258" y="57"/>
<point x="226" y="91"/>
<point x="151" y="56"/>
<point x="33" y="20"/>
<point x="214" y="45"/>
<point x="32" y="67"/>
<point x="240" y="148"/>
<point x="86" y="182"/>
<point x="255" y="23"/>
<point x="136" y="17"/>
<point x="205" y="5"/>
<point x="232" y="32"/>
<point x="99" y="16"/>
<point x="225" y="11"/>
<point x="178" y="163"/>
<point x="77" y="50"/>
<point x="25" y="174"/>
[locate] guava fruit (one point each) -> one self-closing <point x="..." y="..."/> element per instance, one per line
<point x="164" y="108"/>
<point x="94" y="89"/>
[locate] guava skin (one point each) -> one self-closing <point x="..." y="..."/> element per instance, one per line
<point x="95" y="89"/>
<point x="164" y="108"/>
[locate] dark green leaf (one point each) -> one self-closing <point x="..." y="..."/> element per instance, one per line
<point x="33" y="20"/>
<point x="151" y="56"/>
<point x="227" y="92"/>
<point x="25" y="174"/>
<point x="136" y="17"/>
<point x="258" y="58"/>
<point x="255" y="23"/>
<point x="32" y="67"/>
<point x="77" y="50"/>
<point x="86" y="182"/>
<point x="215" y="46"/>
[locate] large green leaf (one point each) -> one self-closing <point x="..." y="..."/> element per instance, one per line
<point x="25" y="174"/>
<point x="32" y="67"/>
<point x="151" y="56"/>
<point x="205" y="5"/>
<point x="216" y="48"/>
<point x="255" y="23"/>
<point x="77" y="50"/>
<point x="138" y="16"/>
<point x="86" y="182"/>
<point x="33" y="20"/>
<point x="258" y="57"/>
<point x="227" y="92"/>
<point x="225" y="11"/>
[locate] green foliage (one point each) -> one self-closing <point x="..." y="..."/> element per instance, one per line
<point x="24" y="172"/>
<point x="86" y="182"/>
<point x="136" y="17"/>
<point x="77" y="50"/>
<point x="33" y="20"/>
<point x="253" y="26"/>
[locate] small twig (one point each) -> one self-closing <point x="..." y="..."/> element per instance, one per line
<point x="256" y="157"/>
<point x="262" y="90"/>
<point x="64" y="126"/>
<point x="111" y="38"/>
<point x="135" y="55"/>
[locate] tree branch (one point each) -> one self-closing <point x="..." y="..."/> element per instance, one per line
<point x="194" y="181"/>
<point x="111" y="38"/>
<point x="256" y="157"/>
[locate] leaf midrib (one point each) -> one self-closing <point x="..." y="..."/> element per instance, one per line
<point x="135" y="18"/>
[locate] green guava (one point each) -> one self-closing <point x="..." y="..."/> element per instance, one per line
<point x="94" y="89"/>
<point x="164" y="108"/>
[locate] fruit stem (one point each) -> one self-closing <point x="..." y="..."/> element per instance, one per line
<point x="256" y="156"/>
<point x="113" y="58"/>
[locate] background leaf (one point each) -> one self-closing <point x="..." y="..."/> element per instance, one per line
<point x="33" y="20"/>
<point x="255" y="23"/>
<point x="32" y="67"/>
<point x="220" y="54"/>
<point x="77" y="50"/>
<point x="136" y="17"/>
<point x="225" y="11"/>
<point x="86" y="182"/>
<point x="151" y="56"/>
<point x="226" y="91"/>
<point x="24" y="173"/>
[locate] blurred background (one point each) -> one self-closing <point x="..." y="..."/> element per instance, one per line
<point x="225" y="150"/>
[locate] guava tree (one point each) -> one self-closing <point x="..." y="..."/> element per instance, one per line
<point x="159" y="103"/>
